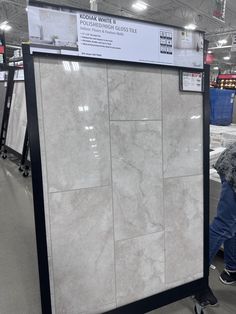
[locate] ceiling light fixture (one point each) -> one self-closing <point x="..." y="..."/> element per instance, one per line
<point x="4" y="26"/>
<point x="209" y="51"/>
<point x="139" y="6"/>
<point x="222" y="41"/>
<point x="190" y="27"/>
<point x="216" y="68"/>
<point x="226" y="58"/>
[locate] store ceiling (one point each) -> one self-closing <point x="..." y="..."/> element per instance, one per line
<point x="174" y="12"/>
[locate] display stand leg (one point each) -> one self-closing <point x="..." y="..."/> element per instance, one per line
<point x="24" y="166"/>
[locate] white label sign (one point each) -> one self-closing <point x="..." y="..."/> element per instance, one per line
<point x="95" y="35"/>
<point x="192" y="81"/>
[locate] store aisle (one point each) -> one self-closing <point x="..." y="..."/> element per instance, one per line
<point x="19" y="288"/>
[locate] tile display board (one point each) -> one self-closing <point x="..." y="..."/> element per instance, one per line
<point x="3" y="89"/>
<point x="122" y="162"/>
<point x="17" y="119"/>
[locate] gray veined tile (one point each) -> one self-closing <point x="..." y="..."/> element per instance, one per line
<point x="183" y="205"/>
<point x="17" y="119"/>
<point x="137" y="178"/>
<point x="139" y="267"/>
<point x="182" y="129"/>
<point x="83" y="250"/>
<point x="134" y="93"/>
<point x="75" y="124"/>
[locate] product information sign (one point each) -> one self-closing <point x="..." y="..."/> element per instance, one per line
<point x="219" y="9"/>
<point x="191" y="81"/>
<point x="95" y="35"/>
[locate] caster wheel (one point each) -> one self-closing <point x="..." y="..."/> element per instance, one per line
<point x="198" y="309"/>
<point x="20" y="169"/>
<point x="4" y="156"/>
<point x="25" y="174"/>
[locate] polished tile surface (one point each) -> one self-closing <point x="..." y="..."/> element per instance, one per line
<point x="84" y="273"/>
<point x="76" y="128"/>
<point x="134" y="93"/>
<point x="122" y="173"/>
<point x="137" y="173"/>
<point x="183" y="207"/>
<point x="17" y="119"/>
<point x="182" y="128"/>
<point x="139" y="267"/>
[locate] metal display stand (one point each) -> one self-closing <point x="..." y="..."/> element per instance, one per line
<point x="149" y="303"/>
<point x="4" y="149"/>
<point x="146" y="304"/>
<point x="6" y="113"/>
<point x="24" y="163"/>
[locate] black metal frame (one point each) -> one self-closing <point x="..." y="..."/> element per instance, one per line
<point x="7" y="107"/>
<point x="4" y="149"/>
<point x="48" y="5"/>
<point x="24" y="162"/>
<point x="143" y="305"/>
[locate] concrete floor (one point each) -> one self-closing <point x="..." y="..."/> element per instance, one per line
<point x="19" y="283"/>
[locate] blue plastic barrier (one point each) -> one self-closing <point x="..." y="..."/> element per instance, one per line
<point x="222" y="102"/>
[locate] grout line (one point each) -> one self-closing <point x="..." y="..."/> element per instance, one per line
<point x="163" y="179"/>
<point x="136" y="120"/>
<point x="78" y="189"/>
<point x="184" y="176"/>
<point x="141" y="236"/>
<point x="112" y="193"/>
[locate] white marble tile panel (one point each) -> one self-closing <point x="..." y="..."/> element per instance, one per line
<point x="17" y="119"/>
<point x="139" y="267"/>
<point x="137" y="178"/>
<point x="75" y="113"/>
<point x="183" y="205"/>
<point x="182" y="128"/>
<point x="83" y="250"/>
<point x="134" y="92"/>
<point x="2" y="100"/>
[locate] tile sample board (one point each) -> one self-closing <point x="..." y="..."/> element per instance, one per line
<point x="123" y="190"/>
<point x="3" y="90"/>
<point x="17" y="119"/>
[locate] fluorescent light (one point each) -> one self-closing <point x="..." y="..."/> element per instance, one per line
<point x="226" y="58"/>
<point x="92" y="140"/>
<point x="26" y="9"/>
<point x="191" y="27"/>
<point x="215" y="68"/>
<point x="209" y="51"/>
<point x="222" y="41"/>
<point x="139" y="6"/>
<point x="89" y="127"/>
<point x="83" y="108"/>
<point x="4" y="26"/>
<point x="75" y="66"/>
<point x="66" y="65"/>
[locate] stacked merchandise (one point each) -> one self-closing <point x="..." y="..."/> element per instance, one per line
<point x="222" y="136"/>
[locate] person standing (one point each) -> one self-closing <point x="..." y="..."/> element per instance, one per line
<point x="223" y="227"/>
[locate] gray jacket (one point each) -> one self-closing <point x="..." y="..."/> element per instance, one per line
<point x="226" y="165"/>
